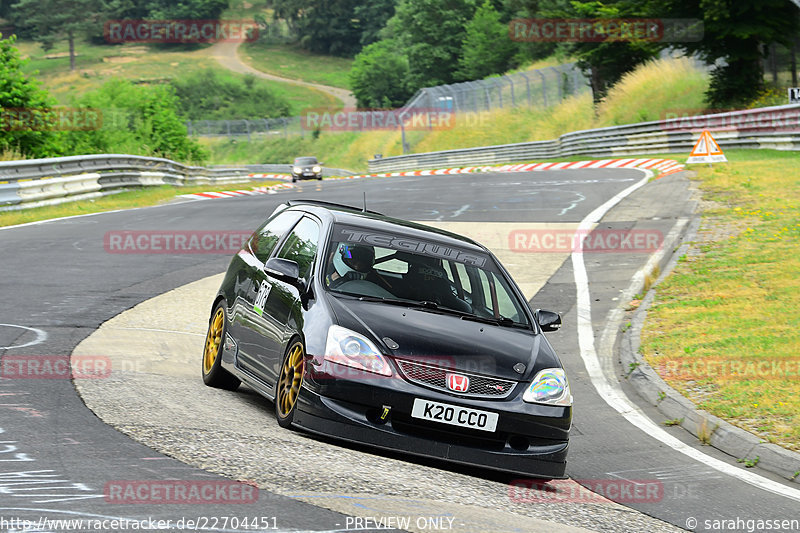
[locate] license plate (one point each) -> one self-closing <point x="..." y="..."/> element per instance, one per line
<point x="454" y="415"/>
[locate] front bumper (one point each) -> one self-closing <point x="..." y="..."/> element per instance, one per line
<point x="307" y="176"/>
<point x="531" y="440"/>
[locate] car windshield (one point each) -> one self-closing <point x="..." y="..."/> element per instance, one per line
<point x="305" y="161"/>
<point x="441" y="277"/>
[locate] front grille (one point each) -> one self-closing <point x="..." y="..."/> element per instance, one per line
<point x="434" y="377"/>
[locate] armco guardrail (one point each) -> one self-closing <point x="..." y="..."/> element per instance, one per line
<point x="768" y="127"/>
<point x="38" y="182"/>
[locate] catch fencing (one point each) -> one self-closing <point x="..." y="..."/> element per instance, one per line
<point x="540" y="88"/>
<point x="775" y="127"/>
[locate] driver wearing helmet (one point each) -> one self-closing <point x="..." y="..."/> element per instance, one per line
<point x="349" y="263"/>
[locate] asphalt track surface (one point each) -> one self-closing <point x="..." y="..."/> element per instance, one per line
<point x="56" y="457"/>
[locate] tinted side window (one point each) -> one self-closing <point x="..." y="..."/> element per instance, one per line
<point x="264" y="241"/>
<point x="301" y="245"/>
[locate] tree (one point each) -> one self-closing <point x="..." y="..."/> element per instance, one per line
<point x="324" y="26"/>
<point x="378" y="76"/>
<point x="21" y="97"/>
<point x="738" y="33"/>
<point x="606" y="60"/>
<point x="208" y="95"/>
<point x="430" y="33"/>
<point x="487" y="48"/>
<point x="372" y="17"/>
<point x="533" y="9"/>
<point x="137" y="119"/>
<point x="288" y="11"/>
<point x="185" y="9"/>
<point x="330" y="27"/>
<point x="54" y="20"/>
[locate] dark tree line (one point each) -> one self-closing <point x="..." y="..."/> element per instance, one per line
<point x="444" y="41"/>
<point x="403" y="45"/>
<point x="49" y="21"/>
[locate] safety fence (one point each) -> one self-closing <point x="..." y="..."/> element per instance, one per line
<point x="39" y="182"/>
<point x="769" y="127"/>
<point x="540" y="88"/>
<point x="49" y="181"/>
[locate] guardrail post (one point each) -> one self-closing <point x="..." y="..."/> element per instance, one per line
<point x="576" y="80"/>
<point x="511" y="83"/>
<point x="558" y="83"/>
<point x="499" y="88"/>
<point x="544" y="88"/>
<point x="527" y="88"/>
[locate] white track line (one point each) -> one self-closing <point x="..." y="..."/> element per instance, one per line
<point x="613" y="394"/>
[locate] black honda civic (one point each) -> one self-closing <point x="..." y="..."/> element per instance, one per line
<point x="393" y="334"/>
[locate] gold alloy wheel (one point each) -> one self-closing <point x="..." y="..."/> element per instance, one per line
<point x="290" y="380"/>
<point x="213" y="340"/>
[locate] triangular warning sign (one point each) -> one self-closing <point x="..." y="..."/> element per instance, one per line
<point x="706" y="150"/>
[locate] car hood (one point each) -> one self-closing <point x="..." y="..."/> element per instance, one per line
<point x="447" y="341"/>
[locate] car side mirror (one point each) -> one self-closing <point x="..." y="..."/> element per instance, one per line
<point x="547" y="320"/>
<point x="283" y="269"/>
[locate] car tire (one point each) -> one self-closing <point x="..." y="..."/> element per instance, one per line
<point x="294" y="180"/>
<point x="213" y="373"/>
<point x="290" y="381"/>
<point x="319" y="178"/>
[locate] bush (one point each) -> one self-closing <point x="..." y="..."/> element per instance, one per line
<point x="141" y="120"/>
<point x="207" y="95"/>
<point x="19" y="93"/>
<point x="487" y="48"/>
<point x="379" y="76"/>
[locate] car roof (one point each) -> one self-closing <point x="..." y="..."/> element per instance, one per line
<point x="353" y="216"/>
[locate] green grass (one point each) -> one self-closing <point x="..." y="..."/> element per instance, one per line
<point x="125" y="200"/>
<point x="343" y="150"/>
<point x="97" y="64"/>
<point x="664" y="85"/>
<point x="733" y="300"/>
<point x="652" y="90"/>
<point x="291" y="61"/>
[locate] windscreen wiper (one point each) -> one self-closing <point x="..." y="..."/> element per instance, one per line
<point x="428" y="305"/>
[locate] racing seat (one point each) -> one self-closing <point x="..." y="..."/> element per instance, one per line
<point x="428" y="281"/>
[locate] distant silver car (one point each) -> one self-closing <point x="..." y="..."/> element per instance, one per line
<point x="306" y="168"/>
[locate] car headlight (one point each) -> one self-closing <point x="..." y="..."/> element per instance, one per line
<point x="297" y="170"/>
<point x="550" y="386"/>
<point x="317" y="169"/>
<point x="352" y="349"/>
